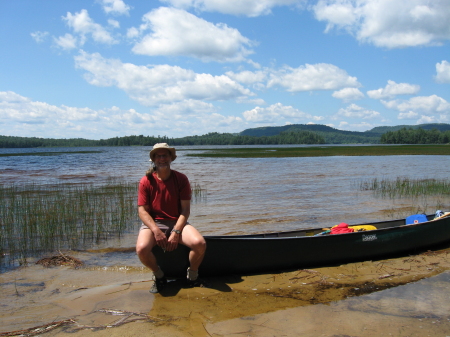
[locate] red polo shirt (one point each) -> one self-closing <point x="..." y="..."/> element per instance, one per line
<point x="164" y="196"/>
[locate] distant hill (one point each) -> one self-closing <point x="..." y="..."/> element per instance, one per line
<point x="331" y="135"/>
<point x="276" y="130"/>
<point x="335" y="136"/>
<point x="431" y="126"/>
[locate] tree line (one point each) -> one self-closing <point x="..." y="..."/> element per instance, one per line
<point x="291" y="136"/>
<point x="213" y="138"/>
<point x="29" y="142"/>
<point x="415" y="136"/>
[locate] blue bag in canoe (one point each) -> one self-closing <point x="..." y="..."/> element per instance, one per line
<point x="416" y="218"/>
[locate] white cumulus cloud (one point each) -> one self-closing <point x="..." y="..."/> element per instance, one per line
<point x="114" y="23"/>
<point x="248" y="77"/>
<point x="320" y="76"/>
<point x="393" y="89"/>
<point x="443" y="72"/>
<point x="20" y="108"/>
<point x="152" y="85"/>
<point x="66" y="42"/>
<point x="408" y="115"/>
<point x="82" y="24"/>
<point x="356" y="111"/>
<point x="348" y="94"/>
<point x="132" y="33"/>
<point x="21" y="116"/>
<point x="278" y="113"/>
<point x="387" y="23"/>
<point x="429" y="119"/>
<point x="177" y="32"/>
<point x="39" y="36"/>
<point x="249" y="8"/>
<point x="425" y="104"/>
<point x="190" y="117"/>
<point x="115" y="7"/>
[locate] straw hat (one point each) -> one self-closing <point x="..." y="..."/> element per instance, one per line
<point x="165" y="146"/>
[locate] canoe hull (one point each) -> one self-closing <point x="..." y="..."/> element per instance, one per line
<point x="263" y="253"/>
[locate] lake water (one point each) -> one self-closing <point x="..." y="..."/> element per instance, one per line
<point x="241" y="196"/>
<point x="246" y="195"/>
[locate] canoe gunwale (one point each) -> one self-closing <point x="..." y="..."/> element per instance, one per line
<point x="285" y="234"/>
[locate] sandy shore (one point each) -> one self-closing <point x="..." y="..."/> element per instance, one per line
<point x="331" y="301"/>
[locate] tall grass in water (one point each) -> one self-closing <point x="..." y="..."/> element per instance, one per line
<point x="405" y="187"/>
<point x="414" y="195"/>
<point x="198" y="193"/>
<point x="40" y="218"/>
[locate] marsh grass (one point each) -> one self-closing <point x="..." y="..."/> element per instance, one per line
<point x="198" y="193"/>
<point x="40" y="218"/>
<point x="410" y="196"/>
<point x="406" y="187"/>
<point x="36" y="218"/>
<point x="324" y="151"/>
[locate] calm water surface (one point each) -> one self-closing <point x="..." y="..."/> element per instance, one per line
<point x="246" y="195"/>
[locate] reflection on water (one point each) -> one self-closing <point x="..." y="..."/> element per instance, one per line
<point x="416" y="309"/>
<point x="428" y="298"/>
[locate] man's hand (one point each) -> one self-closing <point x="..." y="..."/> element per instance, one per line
<point x="161" y="239"/>
<point x="172" y="243"/>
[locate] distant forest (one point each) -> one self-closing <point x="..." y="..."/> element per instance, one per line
<point x="415" y="136"/>
<point x="288" y="134"/>
<point x="214" y="138"/>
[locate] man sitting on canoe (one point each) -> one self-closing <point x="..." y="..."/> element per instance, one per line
<point x="164" y="206"/>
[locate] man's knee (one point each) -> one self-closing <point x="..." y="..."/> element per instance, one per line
<point x="199" y="245"/>
<point x="143" y="249"/>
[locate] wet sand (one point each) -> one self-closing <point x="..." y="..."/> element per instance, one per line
<point x="373" y="298"/>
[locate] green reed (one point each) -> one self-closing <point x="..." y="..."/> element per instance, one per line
<point x="406" y="187"/>
<point x="410" y="196"/>
<point x="198" y="193"/>
<point x="40" y="218"/>
<point x="323" y="151"/>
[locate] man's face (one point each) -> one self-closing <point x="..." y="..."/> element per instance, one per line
<point x="162" y="158"/>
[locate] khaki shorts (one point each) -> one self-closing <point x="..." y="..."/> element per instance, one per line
<point x="165" y="226"/>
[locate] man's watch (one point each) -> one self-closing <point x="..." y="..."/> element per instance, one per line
<point x="176" y="231"/>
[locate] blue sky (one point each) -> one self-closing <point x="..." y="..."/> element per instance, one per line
<point x="106" y="68"/>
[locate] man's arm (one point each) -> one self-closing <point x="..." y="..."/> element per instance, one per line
<point x="174" y="238"/>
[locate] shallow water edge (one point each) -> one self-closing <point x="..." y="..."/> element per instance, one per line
<point x="368" y="290"/>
